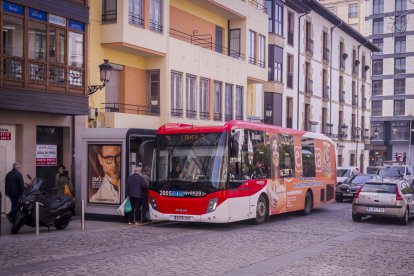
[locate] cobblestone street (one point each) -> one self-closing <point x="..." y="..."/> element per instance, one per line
<point x="326" y="242"/>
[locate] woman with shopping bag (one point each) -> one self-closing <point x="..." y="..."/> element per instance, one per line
<point x="134" y="185"/>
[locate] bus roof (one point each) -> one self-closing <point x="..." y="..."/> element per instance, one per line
<point x="234" y="124"/>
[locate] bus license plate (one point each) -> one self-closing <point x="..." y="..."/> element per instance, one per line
<point x="375" y="209"/>
<point x="182" y="218"/>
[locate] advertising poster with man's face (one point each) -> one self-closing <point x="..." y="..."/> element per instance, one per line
<point x="104" y="174"/>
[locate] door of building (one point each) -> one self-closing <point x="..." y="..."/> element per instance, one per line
<point x="46" y="135"/>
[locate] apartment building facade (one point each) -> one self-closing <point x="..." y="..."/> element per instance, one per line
<point x="42" y="85"/>
<point x="325" y="75"/>
<point x="351" y="11"/>
<point x="184" y="61"/>
<point x="390" y="26"/>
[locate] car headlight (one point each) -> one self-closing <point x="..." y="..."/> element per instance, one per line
<point x="212" y="205"/>
<point x="153" y="203"/>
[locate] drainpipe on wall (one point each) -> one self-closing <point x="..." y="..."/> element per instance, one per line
<point x="298" y="70"/>
<point x="357" y="119"/>
<point x="330" y="75"/>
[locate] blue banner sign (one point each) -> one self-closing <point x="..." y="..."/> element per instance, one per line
<point x="36" y="14"/>
<point x="75" y="25"/>
<point x="13" y="8"/>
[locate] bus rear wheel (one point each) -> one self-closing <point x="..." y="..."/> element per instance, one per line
<point x="308" y="204"/>
<point x="262" y="209"/>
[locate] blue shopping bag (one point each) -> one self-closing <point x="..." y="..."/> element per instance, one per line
<point x="127" y="207"/>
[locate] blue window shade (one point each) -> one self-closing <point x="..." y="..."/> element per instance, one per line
<point x="75" y="25"/>
<point x="36" y="14"/>
<point x="13" y="8"/>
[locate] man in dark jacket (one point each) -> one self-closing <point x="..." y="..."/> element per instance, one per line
<point x="14" y="188"/>
<point x="134" y="186"/>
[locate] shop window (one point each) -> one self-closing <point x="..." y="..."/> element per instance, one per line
<point x="308" y="157"/>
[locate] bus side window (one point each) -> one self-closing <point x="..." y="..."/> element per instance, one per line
<point x="308" y="157"/>
<point x="286" y="155"/>
<point x="237" y="152"/>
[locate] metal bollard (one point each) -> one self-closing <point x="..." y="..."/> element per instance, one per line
<point x="83" y="216"/>
<point x="37" y="217"/>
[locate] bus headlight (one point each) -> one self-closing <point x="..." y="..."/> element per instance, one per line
<point x="212" y="205"/>
<point x="153" y="203"/>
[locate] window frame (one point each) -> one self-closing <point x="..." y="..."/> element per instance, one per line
<point x="191" y="96"/>
<point x="353" y="13"/>
<point x="48" y="74"/>
<point x="176" y="94"/>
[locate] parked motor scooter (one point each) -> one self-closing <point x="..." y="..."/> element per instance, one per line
<point x="54" y="211"/>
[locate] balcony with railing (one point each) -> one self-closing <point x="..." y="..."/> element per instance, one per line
<point x="342" y="62"/>
<point x="218" y="116"/>
<point x="290" y="37"/>
<point x="258" y="5"/>
<point x="204" y="115"/>
<point x="131" y="109"/>
<point x="176" y="112"/>
<point x="309" y="87"/>
<point x="326" y="54"/>
<point x="355" y="100"/>
<point x="132" y="31"/>
<point x="342" y="97"/>
<point x="206" y="41"/>
<point x="290" y="80"/>
<point x="326" y="93"/>
<point x="191" y="113"/>
<point x="309" y="46"/>
<point x="44" y="76"/>
<point x="364" y="103"/>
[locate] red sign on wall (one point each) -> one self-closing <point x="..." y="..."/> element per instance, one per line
<point x="5" y="135"/>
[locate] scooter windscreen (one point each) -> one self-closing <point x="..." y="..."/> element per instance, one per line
<point x="34" y="185"/>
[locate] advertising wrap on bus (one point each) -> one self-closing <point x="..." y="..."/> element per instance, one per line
<point x="239" y="171"/>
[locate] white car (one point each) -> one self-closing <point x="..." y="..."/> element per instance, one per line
<point x="342" y="173"/>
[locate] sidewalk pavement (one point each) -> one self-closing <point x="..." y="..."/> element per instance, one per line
<point x="29" y="233"/>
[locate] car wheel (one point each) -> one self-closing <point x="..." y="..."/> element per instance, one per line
<point x="308" y="204"/>
<point x="356" y="218"/>
<point x="339" y="198"/>
<point x="262" y="209"/>
<point x="404" y="219"/>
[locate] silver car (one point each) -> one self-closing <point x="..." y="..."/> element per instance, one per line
<point x="384" y="198"/>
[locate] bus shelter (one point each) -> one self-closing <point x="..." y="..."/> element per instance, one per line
<point x="109" y="156"/>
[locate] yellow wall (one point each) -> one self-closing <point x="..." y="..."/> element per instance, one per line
<point x="97" y="53"/>
<point x="251" y="100"/>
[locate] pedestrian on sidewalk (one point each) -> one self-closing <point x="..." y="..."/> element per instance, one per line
<point x="62" y="179"/>
<point x="134" y="186"/>
<point x="147" y="177"/>
<point x="14" y="188"/>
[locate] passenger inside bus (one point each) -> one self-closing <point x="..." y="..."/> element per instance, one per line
<point x="177" y="170"/>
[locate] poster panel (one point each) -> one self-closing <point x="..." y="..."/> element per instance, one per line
<point x="104" y="174"/>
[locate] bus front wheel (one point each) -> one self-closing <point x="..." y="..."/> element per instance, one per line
<point x="262" y="209"/>
<point x="308" y="204"/>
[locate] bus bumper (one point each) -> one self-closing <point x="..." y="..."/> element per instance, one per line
<point x="220" y="215"/>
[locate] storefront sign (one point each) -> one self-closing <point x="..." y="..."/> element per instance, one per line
<point x="36" y="14"/>
<point x="75" y="25"/>
<point x="5" y="132"/>
<point x="57" y="20"/>
<point x="46" y="155"/>
<point x="13" y="8"/>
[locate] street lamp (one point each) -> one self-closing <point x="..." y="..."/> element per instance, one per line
<point x="105" y="74"/>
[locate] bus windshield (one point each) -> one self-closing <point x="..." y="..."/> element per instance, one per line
<point x="191" y="161"/>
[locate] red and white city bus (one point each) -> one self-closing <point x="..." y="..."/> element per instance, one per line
<point x="239" y="171"/>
